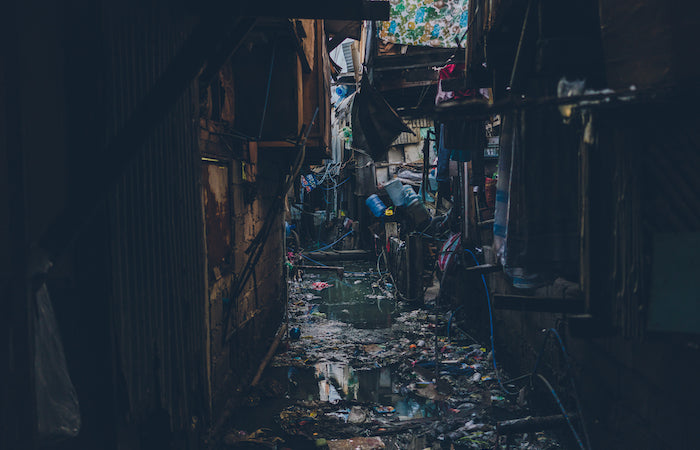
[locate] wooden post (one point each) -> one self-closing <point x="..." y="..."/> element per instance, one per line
<point x="269" y="355"/>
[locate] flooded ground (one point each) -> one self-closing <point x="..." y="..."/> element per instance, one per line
<point x="357" y="298"/>
<point x="361" y="370"/>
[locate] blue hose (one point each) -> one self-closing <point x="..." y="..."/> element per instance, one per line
<point x="313" y="260"/>
<point x="534" y="370"/>
<point x="331" y="245"/>
<point x="493" y="344"/>
<point x="563" y="411"/>
<point x="573" y="385"/>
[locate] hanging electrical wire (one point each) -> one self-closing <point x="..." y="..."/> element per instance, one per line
<point x="256" y="247"/>
<point x="493" y="342"/>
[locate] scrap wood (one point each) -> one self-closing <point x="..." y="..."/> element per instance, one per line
<point x="358" y="443"/>
<point x="414" y="424"/>
<point x="530" y="423"/>
<point x="430" y="392"/>
<point x="262" y="437"/>
<point x="270" y="354"/>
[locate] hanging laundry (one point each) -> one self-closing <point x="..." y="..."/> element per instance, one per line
<point x="441" y="23"/>
<point x="450" y="72"/>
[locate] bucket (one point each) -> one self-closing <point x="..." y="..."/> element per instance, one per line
<point x="418" y="214"/>
<point x="409" y="195"/>
<point x="395" y="190"/>
<point x="375" y="205"/>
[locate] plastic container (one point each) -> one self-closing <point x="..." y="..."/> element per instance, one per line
<point x="375" y="205"/>
<point x="395" y="190"/>
<point x="409" y="195"/>
<point x="432" y="181"/>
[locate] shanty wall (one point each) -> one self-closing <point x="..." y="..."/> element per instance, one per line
<point x="157" y="304"/>
<point x="637" y="181"/>
<point x="637" y="386"/>
<point x="247" y="151"/>
<point x="141" y="296"/>
<point x="240" y="327"/>
<point x="129" y="292"/>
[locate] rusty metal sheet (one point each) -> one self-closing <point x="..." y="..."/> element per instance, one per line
<point x="217" y="212"/>
<point x="155" y="220"/>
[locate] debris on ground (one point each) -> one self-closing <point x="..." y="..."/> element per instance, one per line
<point x="358" y="443"/>
<point x="320" y="285"/>
<point x="402" y="383"/>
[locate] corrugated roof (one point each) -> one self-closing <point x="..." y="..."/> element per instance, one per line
<point x="415" y="125"/>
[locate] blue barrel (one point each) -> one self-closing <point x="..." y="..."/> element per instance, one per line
<point x="375" y="205"/>
<point x="409" y="195"/>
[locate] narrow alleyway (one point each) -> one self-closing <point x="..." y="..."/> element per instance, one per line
<point x="357" y="370"/>
<point x="349" y="224"/>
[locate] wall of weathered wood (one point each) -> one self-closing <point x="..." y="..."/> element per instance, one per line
<point x="244" y="175"/>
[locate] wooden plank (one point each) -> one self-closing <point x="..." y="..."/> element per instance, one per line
<point x="304" y="45"/>
<point x="340" y="255"/>
<point x="301" y="99"/>
<point x="339" y="270"/>
<point x="482" y="269"/>
<point x="308" y="9"/>
<point x="401" y="84"/>
<point x="270" y="354"/>
<point x="412" y="61"/>
<point x="276" y="144"/>
<point x="486" y="223"/>
<point x="324" y="68"/>
<point x="528" y="424"/>
<point x="541" y="304"/>
<point x="336" y="268"/>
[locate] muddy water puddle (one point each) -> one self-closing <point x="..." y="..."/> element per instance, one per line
<point x="330" y="390"/>
<point x="357" y="298"/>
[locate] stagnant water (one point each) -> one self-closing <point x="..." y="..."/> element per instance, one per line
<point x="355" y="299"/>
<point x="359" y="357"/>
<point x="328" y="383"/>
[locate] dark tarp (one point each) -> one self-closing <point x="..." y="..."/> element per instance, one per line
<point x="375" y="124"/>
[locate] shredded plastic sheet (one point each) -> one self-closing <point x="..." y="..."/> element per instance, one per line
<point x="58" y="412"/>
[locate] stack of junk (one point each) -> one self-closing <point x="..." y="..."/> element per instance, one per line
<point x="403" y="196"/>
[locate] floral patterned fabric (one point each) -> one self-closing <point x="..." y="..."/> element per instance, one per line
<point x="433" y="23"/>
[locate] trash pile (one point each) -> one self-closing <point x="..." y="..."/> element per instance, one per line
<point x="404" y="386"/>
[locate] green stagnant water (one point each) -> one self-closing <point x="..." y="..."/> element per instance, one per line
<point x="356" y="297"/>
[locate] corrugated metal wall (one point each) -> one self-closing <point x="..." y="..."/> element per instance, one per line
<point x="157" y="241"/>
<point x="656" y="190"/>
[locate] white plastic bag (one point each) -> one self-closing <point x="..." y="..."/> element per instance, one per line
<point x="58" y="411"/>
